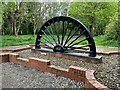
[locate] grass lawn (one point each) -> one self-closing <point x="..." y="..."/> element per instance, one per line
<point x="8" y="40"/>
<point x="101" y="41"/>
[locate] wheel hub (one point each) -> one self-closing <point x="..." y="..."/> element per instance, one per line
<point x="58" y="48"/>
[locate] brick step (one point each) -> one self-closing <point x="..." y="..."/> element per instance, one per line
<point x="23" y="59"/>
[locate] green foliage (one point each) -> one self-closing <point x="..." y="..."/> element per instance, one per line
<point x="95" y="15"/>
<point x="112" y="29"/>
<point x="1" y="11"/>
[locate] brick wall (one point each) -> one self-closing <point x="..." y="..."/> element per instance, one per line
<point x="73" y="72"/>
<point x="4" y="57"/>
<point x="69" y="57"/>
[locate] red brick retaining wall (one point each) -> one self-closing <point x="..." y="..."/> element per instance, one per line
<point x="4" y="57"/>
<point x="73" y="72"/>
<point x="68" y="57"/>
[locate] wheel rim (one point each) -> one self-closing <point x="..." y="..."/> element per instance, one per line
<point x="65" y="34"/>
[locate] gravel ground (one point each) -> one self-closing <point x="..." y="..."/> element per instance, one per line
<point x="18" y="76"/>
<point x="106" y="73"/>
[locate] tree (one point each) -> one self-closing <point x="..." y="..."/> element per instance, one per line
<point x="112" y="30"/>
<point x="93" y="14"/>
<point x="28" y="17"/>
<point x="8" y="15"/>
<point x="1" y="12"/>
<point x="14" y="14"/>
<point x="34" y="11"/>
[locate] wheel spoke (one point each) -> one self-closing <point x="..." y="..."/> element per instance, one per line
<point x="79" y="42"/>
<point x="65" y="31"/>
<point x="47" y="39"/>
<point x="69" y="34"/>
<point x="62" y="33"/>
<point x="51" y="33"/>
<point x="46" y="36"/>
<point x="72" y="35"/>
<point x="56" y="31"/>
<point x="76" y="38"/>
<point x="59" y="32"/>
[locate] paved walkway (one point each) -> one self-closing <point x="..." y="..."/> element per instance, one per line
<point x="106" y="49"/>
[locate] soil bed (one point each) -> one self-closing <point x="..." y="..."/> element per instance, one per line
<point x="106" y="73"/>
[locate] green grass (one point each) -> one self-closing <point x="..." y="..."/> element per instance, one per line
<point x="102" y="41"/>
<point x="8" y="40"/>
<point x="15" y="41"/>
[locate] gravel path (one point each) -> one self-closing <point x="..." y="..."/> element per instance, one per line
<point x="106" y="73"/>
<point x="18" y="76"/>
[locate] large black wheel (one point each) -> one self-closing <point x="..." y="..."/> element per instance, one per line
<point x="65" y="34"/>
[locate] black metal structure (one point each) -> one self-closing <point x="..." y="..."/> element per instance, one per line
<point x="65" y="34"/>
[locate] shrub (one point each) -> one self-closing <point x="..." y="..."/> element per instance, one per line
<point x="112" y="31"/>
